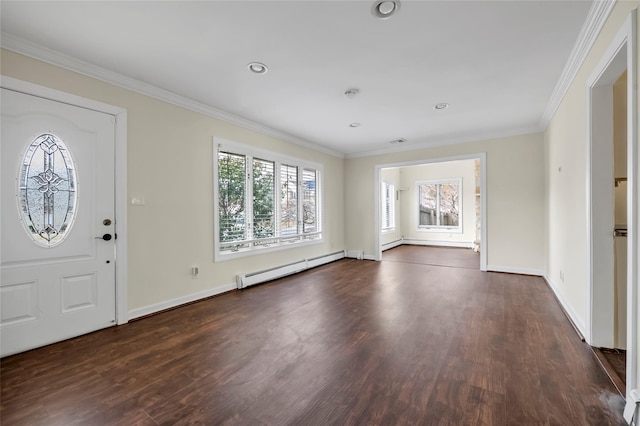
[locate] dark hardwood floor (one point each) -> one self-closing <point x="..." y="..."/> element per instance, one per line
<point x="614" y="363"/>
<point x="431" y="255"/>
<point x="618" y="360"/>
<point x="349" y="343"/>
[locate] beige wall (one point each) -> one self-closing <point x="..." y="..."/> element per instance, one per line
<point x="515" y="197"/>
<point x="566" y="157"/>
<point x="566" y="149"/>
<point x="170" y="162"/>
<point x="464" y="169"/>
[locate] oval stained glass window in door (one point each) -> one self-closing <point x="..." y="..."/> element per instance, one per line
<point x="47" y="190"/>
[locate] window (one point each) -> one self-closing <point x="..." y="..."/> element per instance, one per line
<point x="264" y="201"/>
<point x="439" y="205"/>
<point x="388" y="206"/>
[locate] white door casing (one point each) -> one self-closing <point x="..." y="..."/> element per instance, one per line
<point x="52" y="293"/>
<point x="482" y="157"/>
<point x="620" y="55"/>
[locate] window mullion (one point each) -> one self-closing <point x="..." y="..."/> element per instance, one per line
<point x="438" y="205"/>
<point x="248" y="220"/>
<point x="243" y="178"/>
<point x="278" y="199"/>
<point x="300" y="200"/>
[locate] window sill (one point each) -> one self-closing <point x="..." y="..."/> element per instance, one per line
<point x="230" y="255"/>
<point x="441" y="230"/>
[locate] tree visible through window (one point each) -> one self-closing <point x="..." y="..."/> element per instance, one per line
<point x="264" y="202"/>
<point x="289" y="200"/>
<point x="231" y="199"/>
<point x="439" y="205"/>
<point x="264" y="225"/>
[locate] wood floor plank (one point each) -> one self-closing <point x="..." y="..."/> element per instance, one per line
<point x="397" y="342"/>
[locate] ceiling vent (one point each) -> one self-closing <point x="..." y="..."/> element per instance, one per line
<point x="351" y="93"/>
<point x="396" y="141"/>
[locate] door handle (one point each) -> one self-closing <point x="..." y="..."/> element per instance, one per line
<point x="105" y="237"/>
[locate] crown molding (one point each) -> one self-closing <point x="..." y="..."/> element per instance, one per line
<point x="596" y="19"/>
<point x="444" y="141"/>
<point x="53" y="57"/>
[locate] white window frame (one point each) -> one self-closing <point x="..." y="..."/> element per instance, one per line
<point x="439" y="228"/>
<point x="277" y="243"/>
<point x="388" y="192"/>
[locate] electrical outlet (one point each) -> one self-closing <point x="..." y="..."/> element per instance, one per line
<point x="194" y="272"/>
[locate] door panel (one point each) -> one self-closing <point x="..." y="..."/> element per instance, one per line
<point x="55" y="292"/>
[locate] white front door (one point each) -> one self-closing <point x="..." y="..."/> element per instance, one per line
<point x="57" y="257"/>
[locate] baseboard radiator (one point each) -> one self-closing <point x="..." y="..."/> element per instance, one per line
<point x="392" y="244"/>
<point x="253" y="278"/>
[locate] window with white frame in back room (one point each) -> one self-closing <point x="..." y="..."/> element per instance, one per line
<point x="439" y="205"/>
<point x="264" y="202"/>
<point x="388" y="207"/>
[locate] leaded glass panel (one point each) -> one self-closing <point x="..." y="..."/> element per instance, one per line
<point x="47" y="190"/>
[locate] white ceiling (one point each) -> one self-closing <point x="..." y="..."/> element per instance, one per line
<point x="495" y="62"/>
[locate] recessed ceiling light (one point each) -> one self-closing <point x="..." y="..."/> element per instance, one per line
<point x="383" y="9"/>
<point x="442" y="105"/>
<point x="354" y="125"/>
<point x="257" y="68"/>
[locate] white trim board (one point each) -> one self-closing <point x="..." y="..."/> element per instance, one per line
<point x="120" y="116"/>
<point x="458" y="244"/>
<point x="482" y="156"/>
<point x="579" y="325"/>
<point x="621" y="54"/>
<point x="515" y="270"/>
<point x="447" y="140"/>
<point x="354" y="254"/>
<point x="174" y="303"/>
<point x="392" y="244"/>
<point x="258" y="277"/>
<point x="596" y="19"/>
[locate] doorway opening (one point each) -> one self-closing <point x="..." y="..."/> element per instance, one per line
<point x="437" y="202"/>
<point x="612" y="201"/>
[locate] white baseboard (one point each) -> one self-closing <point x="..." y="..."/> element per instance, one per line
<point x="459" y="244"/>
<point x="567" y="308"/>
<point x="308" y="264"/>
<point x="368" y="257"/>
<point x="520" y="271"/>
<point x="146" y="310"/>
<point x="354" y="254"/>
